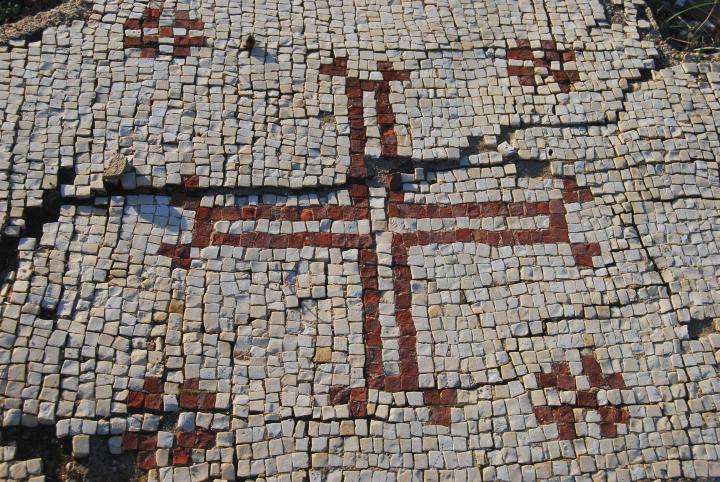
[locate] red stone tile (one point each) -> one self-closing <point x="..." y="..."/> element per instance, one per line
<point x="571" y="197"/>
<point x="566" y="382"/>
<point x="440" y="416"/>
<point x="393" y="383"/>
<point x="615" y="380"/>
<point x="204" y="440"/>
<point x="167" y="250"/>
<point x="608" y="430"/>
<point x="448" y="396"/>
<point x="185" y="439"/>
<point x="566" y="431"/>
<point x="132" y="42"/>
<point x="153" y="402"/>
<point x="339" y="395"/>
<point x="191" y="384"/>
<point x="358" y="408"/>
<point x="182" y="251"/>
<point x="431" y="397"/>
<point x="583" y="253"/>
<point x="147" y="441"/>
<point x="188" y="400"/>
<point x="552" y="55"/>
<point x="516" y="71"/>
<point x="153" y="385"/>
<point x="560" y="76"/>
<point x="181" y="51"/>
<point x="409" y="382"/>
<point x="543" y="414"/>
<point x="181" y="457"/>
<point x="192" y="181"/>
<point x="624" y="415"/>
<point x="148" y="52"/>
<point x="135" y="400"/>
<point x="560" y="368"/>
<point x="586" y="398"/>
<point x="585" y="195"/>
<point x="520" y="54"/>
<point x="563" y="414"/>
<point x="206" y="401"/>
<point x="146" y="460"/>
<point x="613" y="414"/>
<point x="546" y="380"/>
<point x="527" y="80"/>
<point x="130" y="441"/>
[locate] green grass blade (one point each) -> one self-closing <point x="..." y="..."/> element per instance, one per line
<point x="689" y="9"/>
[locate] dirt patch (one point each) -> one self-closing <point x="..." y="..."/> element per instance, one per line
<point x="58" y="463"/>
<point x="38" y="442"/>
<point x="533" y="168"/>
<point x="8" y="256"/>
<point x="700" y="328"/>
<point x="13" y="10"/>
<point x="34" y="16"/>
<point x="102" y="466"/>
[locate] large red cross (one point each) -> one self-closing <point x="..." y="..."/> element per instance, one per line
<point x="440" y="401"/>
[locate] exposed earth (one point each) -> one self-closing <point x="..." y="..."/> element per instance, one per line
<point x="357" y="240"/>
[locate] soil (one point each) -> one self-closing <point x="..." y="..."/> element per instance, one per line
<point x="58" y="463"/>
<point x="690" y="37"/>
<point x="671" y="52"/>
<point x="38" y="442"/>
<point x="32" y="21"/>
<point x="13" y="10"/>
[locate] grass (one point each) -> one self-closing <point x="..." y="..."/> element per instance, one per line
<point x="691" y="25"/>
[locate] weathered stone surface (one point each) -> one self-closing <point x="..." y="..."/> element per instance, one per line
<point x="388" y="241"/>
<point x="116" y="168"/>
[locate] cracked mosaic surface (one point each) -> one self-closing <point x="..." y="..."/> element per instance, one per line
<point x="361" y="240"/>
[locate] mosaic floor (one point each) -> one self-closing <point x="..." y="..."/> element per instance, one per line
<point x="362" y="240"/>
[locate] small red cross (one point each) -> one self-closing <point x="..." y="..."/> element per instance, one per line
<point x="149" y="399"/>
<point x="561" y="379"/>
<point x="147" y="34"/>
<point x="542" y="58"/>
